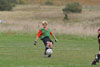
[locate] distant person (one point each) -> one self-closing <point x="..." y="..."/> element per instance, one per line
<point x="44" y="34"/>
<point x="97" y="55"/>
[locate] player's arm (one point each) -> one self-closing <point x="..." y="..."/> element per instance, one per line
<point x="38" y="36"/>
<point x="53" y="36"/>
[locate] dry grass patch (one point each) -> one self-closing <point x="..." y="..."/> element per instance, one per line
<point x="28" y="18"/>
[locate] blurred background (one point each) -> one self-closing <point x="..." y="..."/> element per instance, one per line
<point x="76" y="17"/>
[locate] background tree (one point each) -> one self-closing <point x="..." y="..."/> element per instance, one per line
<point x="73" y="7"/>
<point x="6" y="5"/>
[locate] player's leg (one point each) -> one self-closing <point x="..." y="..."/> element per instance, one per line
<point x="50" y="44"/>
<point x="99" y="45"/>
<point x="45" y="44"/>
<point x="99" y="50"/>
<point x="46" y="47"/>
<point x="97" y="58"/>
<point x="93" y="62"/>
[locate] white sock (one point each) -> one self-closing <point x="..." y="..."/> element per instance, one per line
<point x="96" y="56"/>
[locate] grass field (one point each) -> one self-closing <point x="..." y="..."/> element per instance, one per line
<point x="70" y="51"/>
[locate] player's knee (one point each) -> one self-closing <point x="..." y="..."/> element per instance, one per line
<point x="51" y="45"/>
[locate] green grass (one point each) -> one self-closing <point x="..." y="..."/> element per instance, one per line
<point x="69" y="51"/>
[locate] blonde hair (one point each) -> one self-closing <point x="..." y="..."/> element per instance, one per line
<point x="44" y="22"/>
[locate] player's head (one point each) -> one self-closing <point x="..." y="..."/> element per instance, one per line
<point x="44" y="24"/>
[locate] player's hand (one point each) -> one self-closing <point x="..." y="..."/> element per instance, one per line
<point x="35" y="42"/>
<point x="56" y="40"/>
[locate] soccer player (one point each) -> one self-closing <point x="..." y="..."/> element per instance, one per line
<point x="97" y="58"/>
<point x="44" y="34"/>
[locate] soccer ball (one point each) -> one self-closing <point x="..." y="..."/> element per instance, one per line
<point x="49" y="51"/>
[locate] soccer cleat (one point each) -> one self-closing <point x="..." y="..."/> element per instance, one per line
<point x="94" y="62"/>
<point x="97" y="58"/>
<point x="49" y="55"/>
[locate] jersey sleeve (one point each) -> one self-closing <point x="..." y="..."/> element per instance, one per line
<point x="51" y="33"/>
<point x="39" y="33"/>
